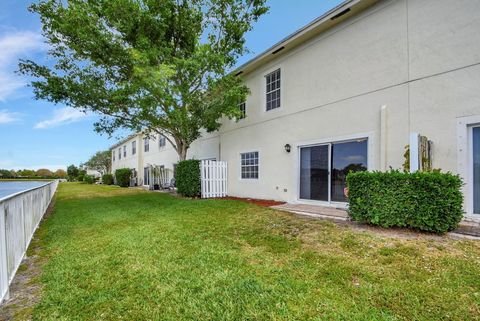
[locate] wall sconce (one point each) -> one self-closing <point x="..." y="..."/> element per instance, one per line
<point x="288" y="148"/>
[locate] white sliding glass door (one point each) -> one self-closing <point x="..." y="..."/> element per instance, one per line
<point x="323" y="168"/>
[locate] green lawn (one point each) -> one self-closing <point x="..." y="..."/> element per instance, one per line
<point x="114" y="253"/>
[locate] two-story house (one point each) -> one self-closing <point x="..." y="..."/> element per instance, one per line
<point x="348" y="91"/>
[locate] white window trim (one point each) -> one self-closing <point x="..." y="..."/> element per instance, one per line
<point x="245" y="114"/>
<point x="465" y="160"/>
<point x="328" y="140"/>
<point x="253" y="150"/>
<point x="145" y="150"/>
<point x="160" y="136"/>
<point x="264" y="88"/>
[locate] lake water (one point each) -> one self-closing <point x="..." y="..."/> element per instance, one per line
<point x="8" y="188"/>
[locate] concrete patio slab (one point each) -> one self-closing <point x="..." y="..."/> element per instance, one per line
<point x="466" y="227"/>
<point x="324" y="212"/>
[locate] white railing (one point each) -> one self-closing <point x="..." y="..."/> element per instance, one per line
<point x="160" y="176"/>
<point x="20" y="215"/>
<point x="213" y="176"/>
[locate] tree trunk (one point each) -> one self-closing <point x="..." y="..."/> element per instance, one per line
<point x="182" y="149"/>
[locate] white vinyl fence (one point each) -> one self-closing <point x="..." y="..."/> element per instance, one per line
<point x="213" y="176"/>
<point x="20" y="215"/>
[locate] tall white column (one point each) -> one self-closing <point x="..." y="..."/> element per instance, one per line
<point x="414" y="159"/>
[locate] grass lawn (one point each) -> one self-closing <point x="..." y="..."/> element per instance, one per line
<point x="114" y="253"/>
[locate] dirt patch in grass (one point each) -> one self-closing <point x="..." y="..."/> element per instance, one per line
<point x="26" y="289"/>
<point x="259" y="202"/>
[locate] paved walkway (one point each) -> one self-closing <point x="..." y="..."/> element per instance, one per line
<point x="465" y="227"/>
<point x="325" y="212"/>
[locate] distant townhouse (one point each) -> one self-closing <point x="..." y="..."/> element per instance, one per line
<point x="348" y="91"/>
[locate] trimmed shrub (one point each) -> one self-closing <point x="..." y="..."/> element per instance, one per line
<point x="107" y="179"/>
<point x="187" y="178"/>
<point x="80" y="177"/>
<point x="89" y="179"/>
<point x="427" y="201"/>
<point x="122" y="176"/>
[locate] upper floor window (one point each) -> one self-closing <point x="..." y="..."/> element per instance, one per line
<point x="134" y="147"/>
<point x="249" y="165"/>
<point x="243" y="110"/>
<point x="120" y="153"/>
<point x="273" y="89"/>
<point x="125" y="151"/>
<point x="146" y="144"/>
<point x="162" y="141"/>
<point x="113" y="156"/>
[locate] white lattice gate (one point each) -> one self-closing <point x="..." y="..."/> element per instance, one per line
<point x="214" y="178"/>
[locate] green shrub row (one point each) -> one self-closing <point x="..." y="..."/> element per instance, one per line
<point x="88" y="179"/>
<point x="427" y="201"/>
<point x="187" y="178"/>
<point x="122" y="177"/>
<point x="107" y="179"/>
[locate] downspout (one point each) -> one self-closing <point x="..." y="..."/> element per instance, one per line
<point x="383" y="138"/>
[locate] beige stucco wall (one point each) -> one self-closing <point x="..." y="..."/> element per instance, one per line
<point x="333" y="88"/>
<point x="419" y="58"/>
<point x="207" y="147"/>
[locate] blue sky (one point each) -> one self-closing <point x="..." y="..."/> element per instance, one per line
<point x="37" y="134"/>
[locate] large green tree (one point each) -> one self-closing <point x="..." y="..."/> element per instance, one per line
<point x="100" y="162"/>
<point x="157" y="66"/>
<point x="72" y="171"/>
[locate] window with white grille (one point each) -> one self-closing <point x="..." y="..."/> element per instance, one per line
<point x="249" y="165"/>
<point x="162" y="141"/>
<point x="273" y="89"/>
<point x="243" y="110"/>
<point x="146" y="144"/>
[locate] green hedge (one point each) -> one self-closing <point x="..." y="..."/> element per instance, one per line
<point x="89" y="179"/>
<point x="122" y="176"/>
<point x="187" y="178"/>
<point x="107" y="179"/>
<point x="427" y="201"/>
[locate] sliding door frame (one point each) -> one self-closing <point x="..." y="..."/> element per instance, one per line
<point x="470" y="176"/>
<point x="329" y="141"/>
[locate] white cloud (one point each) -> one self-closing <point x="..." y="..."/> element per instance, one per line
<point x="5" y="163"/>
<point x="8" y="117"/>
<point x="15" y="45"/>
<point x="62" y="116"/>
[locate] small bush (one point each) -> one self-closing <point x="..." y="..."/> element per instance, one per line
<point x="107" y="179"/>
<point x="89" y="179"/>
<point x="427" y="201"/>
<point x="80" y="177"/>
<point x="122" y="176"/>
<point x="187" y="178"/>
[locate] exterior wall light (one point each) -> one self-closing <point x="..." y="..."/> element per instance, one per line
<point x="288" y="148"/>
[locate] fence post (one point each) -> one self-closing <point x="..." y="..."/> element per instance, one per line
<point x="4" y="288"/>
